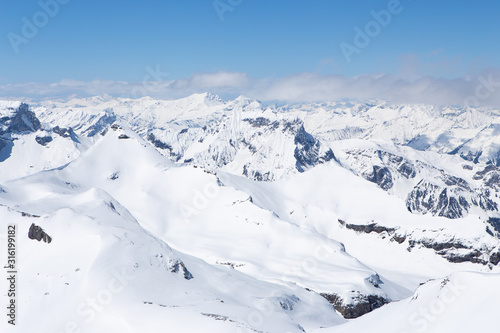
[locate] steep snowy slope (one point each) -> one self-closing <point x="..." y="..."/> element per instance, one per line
<point x="97" y="275"/>
<point x="227" y="230"/>
<point x="375" y="227"/>
<point x="203" y="130"/>
<point x="462" y="302"/>
<point x="27" y="146"/>
<point x="235" y="216"/>
<point x="103" y="262"/>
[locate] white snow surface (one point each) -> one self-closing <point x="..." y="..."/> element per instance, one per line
<point x="144" y="241"/>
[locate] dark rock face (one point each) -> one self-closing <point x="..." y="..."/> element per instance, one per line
<point x="362" y="304"/>
<point x="385" y="166"/>
<point x="473" y="256"/>
<point x="123" y="136"/>
<point x="449" y="202"/>
<point x="256" y="175"/>
<point x="261" y="122"/>
<point x="452" y="250"/>
<point x="490" y="176"/>
<point x="437" y="193"/>
<point x="158" y="143"/>
<point x="36" y="232"/>
<point x="5" y="148"/>
<point x="307" y="150"/>
<point x="448" y="250"/>
<point x="495" y="258"/>
<point x="381" y="176"/>
<point x="23" y="120"/>
<point x="469" y="156"/>
<point x="407" y="170"/>
<point x="43" y="140"/>
<point x="66" y="133"/>
<point x="101" y="125"/>
<point x="367" y="228"/>
<point x="178" y="266"/>
<point x="495" y="223"/>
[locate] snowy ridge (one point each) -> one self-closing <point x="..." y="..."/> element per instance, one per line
<point x="224" y="216"/>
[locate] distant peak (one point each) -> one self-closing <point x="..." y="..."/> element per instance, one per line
<point x="209" y="96"/>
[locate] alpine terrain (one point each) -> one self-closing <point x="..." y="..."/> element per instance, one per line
<point x="210" y="215"/>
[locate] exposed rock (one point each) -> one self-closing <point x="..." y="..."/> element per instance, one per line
<point x="307" y="151"/>
<point x="480" y="174"/>
<point x="367" y="228"/>
<point x="472" y="256"/>
<point x="261" y="122"/>
<point x="362" y="304"/>
<point x="452" y="250"/>
<point x="399" y="238"/>
<point x="123" y="136"/>
<point x="158" y="143"/>
<point x="380" y="167"/>
<point x="380" y="176"/>
<point x="101" y="125"/>
<point x="495" y="223"/>
<point x="448" y="202"/>
<point x="287" y="303"/>
<point x="374" y="280"/>
<point x="43" y="140"/>
<point x="63" y="132"/>
<point x="436" y="246"/>
<point x="24" y="214"/>
<point x="495" y="258"/>
<point x="36" y="232"/>
<point x="114" y="176"/>
<point x="23" y="120"/>
<point x="177" y="266"/>
<point x="116" y="127"/>
<point x="256" y="175"/>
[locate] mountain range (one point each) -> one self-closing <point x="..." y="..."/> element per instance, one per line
<point x="206" y="215"/>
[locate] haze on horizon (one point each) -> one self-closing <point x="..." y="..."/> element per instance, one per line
<point x="288" y="51"/>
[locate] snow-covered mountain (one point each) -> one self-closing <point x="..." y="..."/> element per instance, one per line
<point x="204" y="215"/>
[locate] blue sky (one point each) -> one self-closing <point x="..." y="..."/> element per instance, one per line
<point x="266" y="40"/>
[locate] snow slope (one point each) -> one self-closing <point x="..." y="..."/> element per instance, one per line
<point x="204" y="215"/>
<point x="462" y="302"/>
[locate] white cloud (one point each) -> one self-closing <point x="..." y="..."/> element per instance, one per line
<point x="480" y="89"/>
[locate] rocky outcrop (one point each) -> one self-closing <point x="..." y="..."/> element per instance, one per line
<point x="36" y="232"/>
<point x="177" y="266"/>
<point x="453" y="250"/>
<point x="161" y="145"/>
<point x="436" y="192"/>
<point x="367" y="228"/>
<point x="101" y="125"/>
<point x="360" y="305"/>
<point x="262" y="122"/>
<point x="22" y="120"/>
<point x="495" y="223"/>
<point x="451" y="202"/>
<point x="307" y="151"/>
<point x="43" y="140"/>
<point x="380" y="167"/>
<point x="381" y="176"/>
